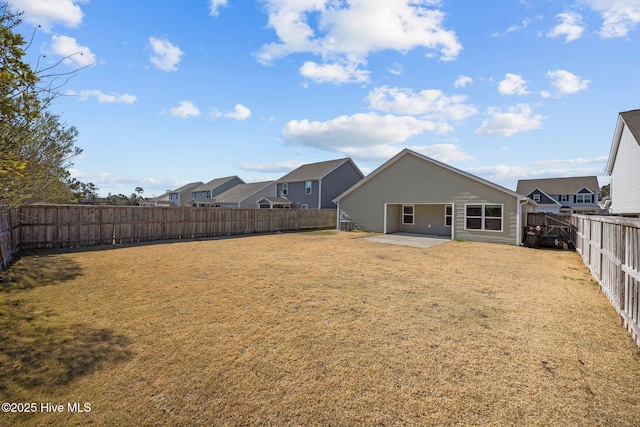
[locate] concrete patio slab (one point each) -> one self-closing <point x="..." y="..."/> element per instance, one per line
<point x="408" y="239"/>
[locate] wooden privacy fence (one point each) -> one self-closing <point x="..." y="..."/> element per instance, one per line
<point x="610" y="247"/>
<point x="9" y="235"/>
<point x="58" y="226"/>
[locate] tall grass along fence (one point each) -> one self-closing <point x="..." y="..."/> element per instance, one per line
<point x="58" y="226"/>
<point x="610" y="247"/>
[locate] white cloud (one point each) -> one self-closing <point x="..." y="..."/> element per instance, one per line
<point x="516" y="119"/>
<point x="334" y="73"/>
<point x="50" y="12"/>
<point x="75" y="54"/>
<point x="446" y="153"/>
<point x="215" y="5"/>
<point x="513" y="84"/>
<point x="240" y="113"/>
<point x="365" y="135"/>
<point x="185" y="109"/>
<point x="347" y="31"/>
<point x="576" y="161"/>
<point x="571" y="27"/>
<point x="620" y="16"/>
<point x="103" y="98"/>
<point x="462" y="81"/>
<point x="524" y="24"/>
<point x="431" y="103"/>
<point x="566" y="82"/>
<point x="166" y="56"/>
<point x="396" y="69"/>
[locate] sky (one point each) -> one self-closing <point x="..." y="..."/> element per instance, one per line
<point x="169" y="92"/>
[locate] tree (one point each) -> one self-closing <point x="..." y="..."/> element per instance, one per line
<point x="605" y="191"/>
<point x="35" y="147"/>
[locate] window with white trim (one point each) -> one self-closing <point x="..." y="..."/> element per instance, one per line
<point x="448" y="215"/>
<point x="285" y="188"/>
<point x="307" y="187"/>
<point x="304" y="206"/>
<point x="564" y="197"/>
<point x="486" y="217"/>
<point x="584" y="198"/>
<point x="536" y="197"/>
<point x="408" y="212"/>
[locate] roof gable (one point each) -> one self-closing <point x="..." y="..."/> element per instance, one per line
<point x="545" y="199"/>
<point x="215" y="183"/>
<point x="630" y="119"/>
<point x="407" y="152"/>
<point x="317" y="171"/>
<point x="567" y="185"/>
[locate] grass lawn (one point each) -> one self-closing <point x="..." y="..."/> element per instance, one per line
<point x="317" y="328"/>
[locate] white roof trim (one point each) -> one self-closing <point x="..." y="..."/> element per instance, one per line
<point x="543" y="192"/>
<point x="617" y="136"/>
<point x="406" y="151"/>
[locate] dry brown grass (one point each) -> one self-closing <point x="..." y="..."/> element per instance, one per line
<point x="319" y="328"/>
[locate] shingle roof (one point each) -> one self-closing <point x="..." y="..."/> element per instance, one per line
<point x="314" y="171"/>
<point x="570" y="185"/>
<point x="214" y="183"/>
<point x="278" y="200"/>
<point x="241" y="191"/>
<point x="632" y="120"/>
<point x="187" y="187"/>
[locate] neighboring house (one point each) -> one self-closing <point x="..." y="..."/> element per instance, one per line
<point x="275" y="203"/>
<point x="182" y="196"/>
<point x="415" y="194"/>
<point x="203" y="195"/>
<point x="245" y="195"/>
<point x="624" y="164"/>
<point x="157" y="201"/>
<point x="315" y="185"/>
<point x="563" y="195"/>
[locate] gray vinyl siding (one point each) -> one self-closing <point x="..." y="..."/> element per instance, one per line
<point x="625" y="176"/>
<point x="411" y="180"/>
<point x="296" y="194"/>
<point x="337" y="182"/>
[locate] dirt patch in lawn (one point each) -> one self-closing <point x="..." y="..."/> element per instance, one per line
<point x="319" y="328"/>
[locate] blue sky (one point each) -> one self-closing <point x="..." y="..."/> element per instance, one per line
<point x="179" y="91"/>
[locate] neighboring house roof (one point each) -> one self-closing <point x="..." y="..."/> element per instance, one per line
<point x="406" y="151"/>
<point x="545" y="199"/>
<point x="316" y="171"/>
<point x="571" y="185"/>
<point x="277" y="200"/>
<point x="214" y="183"/>
<point x="187" y="187"/>
<point x="241" y="192"/>
<point x="632" y="120"/>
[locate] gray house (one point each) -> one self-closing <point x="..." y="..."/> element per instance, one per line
<point x="182" y="196"/>
<point x="203" y="195"/>
<point x="624" y="164"/>
<point x="416" y="194"/>
<point x="315" y="185"/>
<point x="245" y="195"/>
<point x="562" y="195"/>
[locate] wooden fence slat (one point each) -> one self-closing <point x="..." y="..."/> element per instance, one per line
<point x="610" y="248"/>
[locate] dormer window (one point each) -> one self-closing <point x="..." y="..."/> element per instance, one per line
<point x="584" y="198"/>
<point x="536" y="197"/>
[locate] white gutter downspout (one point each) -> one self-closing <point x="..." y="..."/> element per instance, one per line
<point x="320" y="193"/>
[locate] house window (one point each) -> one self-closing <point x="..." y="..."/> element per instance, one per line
<point x="305" y="206"/>
<point x="483" y="217"/>
<point x="564" y="197"/>
<point x="307" y="187"/>
<point x="448" y="215"/>
<point x="408" y="214"/>
<point x="285" y="188"/>
<point x="536" y="197"/>
<point x="584" y="198"/>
